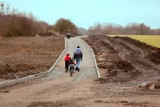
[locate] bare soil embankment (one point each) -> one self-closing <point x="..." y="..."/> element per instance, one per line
<point x="24" y="56"/>
<point x="122" y="59"/>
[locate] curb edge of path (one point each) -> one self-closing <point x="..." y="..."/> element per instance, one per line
<point x="31" y="77"/>
<point x="97" y="69"/>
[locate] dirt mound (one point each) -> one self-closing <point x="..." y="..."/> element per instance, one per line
<point x="121" y="71"/>
<point x="11" y="71"/>
<point x="123" y="65"/>
<point x="137" y="43"/>
<point x="150" y="86"/>
<point x="154" y="57"/>
<point x="122" y="59"/>
<point x="6" y="71"/>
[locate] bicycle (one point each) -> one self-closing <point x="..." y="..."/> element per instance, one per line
<point x="71" y="69"/>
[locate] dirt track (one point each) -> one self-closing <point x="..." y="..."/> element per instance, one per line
<point x="124" y="63"/>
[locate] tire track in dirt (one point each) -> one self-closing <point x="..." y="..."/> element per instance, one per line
<point x="127" y="53"/>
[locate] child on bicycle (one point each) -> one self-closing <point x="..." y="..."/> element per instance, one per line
<point x="71" y="66"/>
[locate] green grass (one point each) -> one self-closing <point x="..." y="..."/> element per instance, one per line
<point x="153" y="40"/>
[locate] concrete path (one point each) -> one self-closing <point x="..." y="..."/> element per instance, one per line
<point x="87" y="67"/>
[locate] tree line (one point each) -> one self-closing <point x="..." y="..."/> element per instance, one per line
<point x="14" y="23"/>
<point x="130" y="29"/>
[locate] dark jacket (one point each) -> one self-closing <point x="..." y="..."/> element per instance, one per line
<point x="78" y="54"/>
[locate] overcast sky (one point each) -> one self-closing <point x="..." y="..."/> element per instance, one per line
<point x="85" y="13"/>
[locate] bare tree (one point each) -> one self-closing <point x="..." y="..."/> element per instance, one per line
<point x="144" y="29"/>
<point x="131" y="28"/>
<point x="97" y="29"/>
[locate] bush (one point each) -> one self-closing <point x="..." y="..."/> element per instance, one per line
<point x="64" y="25"/>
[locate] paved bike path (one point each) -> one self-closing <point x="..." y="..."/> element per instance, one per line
<point x="87" y="67"/>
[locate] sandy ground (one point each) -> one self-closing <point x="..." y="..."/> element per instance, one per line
<point x="118" y="87"/>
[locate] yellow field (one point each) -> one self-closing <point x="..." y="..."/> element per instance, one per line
<point x="153" y="40"/>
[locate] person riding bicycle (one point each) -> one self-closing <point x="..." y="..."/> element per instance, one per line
<point x="71" y="66"/>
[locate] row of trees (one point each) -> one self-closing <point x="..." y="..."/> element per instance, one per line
<point x="132" y="28"/>
<point x="14" y="23"/>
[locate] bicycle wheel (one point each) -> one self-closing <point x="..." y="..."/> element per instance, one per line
<point x="71" y="71"/>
